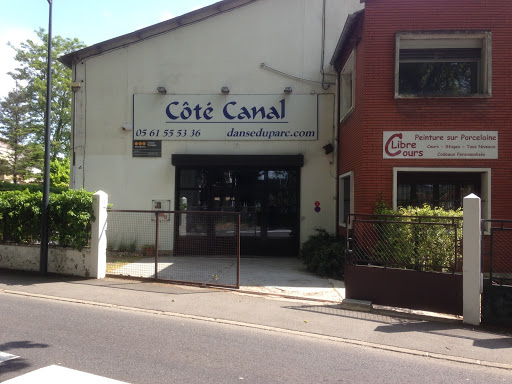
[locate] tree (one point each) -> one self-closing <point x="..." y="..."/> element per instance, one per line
<point x="20" y="157"/>
<point x="59" y="173"/>
<point x="31" y="73"/>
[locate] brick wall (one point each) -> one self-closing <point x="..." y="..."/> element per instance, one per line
<point x="377" y="110"/>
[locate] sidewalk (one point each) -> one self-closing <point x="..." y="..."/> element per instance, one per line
<point x="444" y="339"/>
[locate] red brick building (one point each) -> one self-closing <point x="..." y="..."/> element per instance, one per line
<point x="425" y="105"/>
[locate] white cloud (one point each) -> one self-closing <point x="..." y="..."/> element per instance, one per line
<point x="7" y="62"/>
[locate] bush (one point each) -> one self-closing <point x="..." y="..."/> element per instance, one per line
<point x="69" y="222"/>
<point x="70" y="218"/>
<point x="423" y="247"/>
<point x="324" y="254"/>
<point x="5" y="186"/>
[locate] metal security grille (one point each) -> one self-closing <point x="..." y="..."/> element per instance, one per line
<point x="497" y="251"/>
<point x="188" y="247"/>
<point x="497" y="267"/>
<point x="421" y="243"/>
<point x="405" y="261"/>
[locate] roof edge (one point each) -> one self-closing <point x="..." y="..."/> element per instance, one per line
<point x="153" y="30"/>
<point x="352" y="19"/>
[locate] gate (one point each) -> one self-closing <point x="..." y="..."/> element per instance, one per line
<point x="497" y="267"/>
<point x="184" y="247"/>
<point x="405" y="261"/>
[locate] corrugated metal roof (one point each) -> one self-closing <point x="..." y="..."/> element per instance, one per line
<point x="153" y="30"/>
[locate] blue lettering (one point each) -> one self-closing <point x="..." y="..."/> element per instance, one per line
<point x="168" y="111"/>
<point x="187" y="112"/>
<point x="244" y="114"/>
<point x="207" y="112"/>
<point x="225" y="110"/>
<point x="256" y="111"/>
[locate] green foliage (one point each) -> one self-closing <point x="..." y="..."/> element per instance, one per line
<point x="20" y="212"/>
<point x="32" y="66"/>
<point x="127" y="246"/>
<point x="5" y="186"/>
<point x="69" y="222"/>
<point x="59" y="173"/>
<point x="418" y="246"/>
<point x="20" y="159"/>
<point x="70" y="218"/>
<point x="324" y="253"/>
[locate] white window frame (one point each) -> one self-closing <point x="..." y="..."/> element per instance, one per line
<point x="449" y="39"/>
<point x="341" y="205"/>
<point x="485" y="183"/>
<point x="348" y="86"/>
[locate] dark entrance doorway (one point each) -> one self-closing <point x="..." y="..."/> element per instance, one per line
<point x="264" y="189"/>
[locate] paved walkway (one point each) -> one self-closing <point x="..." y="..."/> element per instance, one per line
<point x="419" y="335"/>
<point x="280" y="276"/>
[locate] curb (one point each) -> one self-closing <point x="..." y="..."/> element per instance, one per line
<point x="272" y="329"/>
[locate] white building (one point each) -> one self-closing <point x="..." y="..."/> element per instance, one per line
<point x="230" y="107"/>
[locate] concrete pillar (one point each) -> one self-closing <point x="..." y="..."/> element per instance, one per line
<point x="471" y="270"/>
<point x="99" y="235"/>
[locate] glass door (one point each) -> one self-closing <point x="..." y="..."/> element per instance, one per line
<point x="267" y="198"/>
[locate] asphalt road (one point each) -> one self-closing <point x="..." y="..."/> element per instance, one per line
<point x="139" y="347"/>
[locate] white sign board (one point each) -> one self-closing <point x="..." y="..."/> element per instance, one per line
<point x="225" y="117"/>
<point x="440" y="145"/>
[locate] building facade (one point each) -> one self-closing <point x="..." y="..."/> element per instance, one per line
<point x="425" y="105"/>
<point x="230" y="107"/>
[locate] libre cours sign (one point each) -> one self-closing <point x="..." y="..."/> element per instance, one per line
<point x="440" y="145"/>
<point x="225" y="117"/>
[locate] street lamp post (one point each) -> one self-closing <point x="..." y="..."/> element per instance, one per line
<point x="43" y="261"/>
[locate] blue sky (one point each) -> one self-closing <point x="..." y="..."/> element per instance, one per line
<point x="91" y="21"/>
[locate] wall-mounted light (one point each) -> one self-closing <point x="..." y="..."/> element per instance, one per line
<point x="161" y="90"/>
<point x="75" y="86"/>
<point x="224" y="90"/>
<point x="288" y="90"/>
<point x="328" y="148"/>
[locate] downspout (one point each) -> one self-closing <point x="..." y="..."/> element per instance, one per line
<point x="338" y="131"/>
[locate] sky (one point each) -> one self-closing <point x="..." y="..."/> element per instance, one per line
<point x="91" y="21"/>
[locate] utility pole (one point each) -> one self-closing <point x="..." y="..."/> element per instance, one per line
<point x="43" y="260"/>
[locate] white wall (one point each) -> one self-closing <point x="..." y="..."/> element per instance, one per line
<point x="225" y="50"/>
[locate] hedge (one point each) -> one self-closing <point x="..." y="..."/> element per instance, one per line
<point x="70" y="217"/>
<point x="425" y="247"/>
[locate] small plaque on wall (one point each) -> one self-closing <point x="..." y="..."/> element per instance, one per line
<point x="147" y="148"/>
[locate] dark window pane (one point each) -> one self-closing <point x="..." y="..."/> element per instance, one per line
<point x="444" y="189"/>
<point x="438" y="79"/>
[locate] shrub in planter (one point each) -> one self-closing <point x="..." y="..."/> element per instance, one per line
<point x="324" y="254"/>
<point x="423" y="247"/>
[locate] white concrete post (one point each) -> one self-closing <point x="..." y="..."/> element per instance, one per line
<point x="99" y="235"/>
<point x="471" y="270"/>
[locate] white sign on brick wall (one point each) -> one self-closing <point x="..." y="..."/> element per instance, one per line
<point x="440" y="145"/>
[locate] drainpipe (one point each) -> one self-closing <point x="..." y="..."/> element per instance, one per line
<point x="337" y="152"/>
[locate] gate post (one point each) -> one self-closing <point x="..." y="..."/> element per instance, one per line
<point x="471" y="259"/>
<point x="99" y="235"/>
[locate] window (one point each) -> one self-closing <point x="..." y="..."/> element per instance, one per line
<point x="445" y="190"/>
<point x="452" y="64"/>
<point x="346" y="201"/>
<point x="441" y="187"/>
<point x="347" y="93"/>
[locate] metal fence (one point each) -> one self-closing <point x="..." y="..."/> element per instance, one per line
<point x="422" y="243"/>
<point x="189" y="247"/>
<point x="497" y="251"/>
